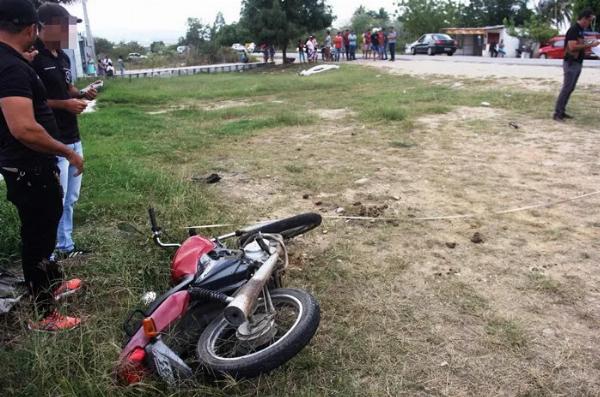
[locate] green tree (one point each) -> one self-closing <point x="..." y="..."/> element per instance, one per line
<point x="157" y="47"/>
<point x="363" y="19"/>
<point x="103" y="46"/>
<point x="427" y="16"/>
<point x="555" y="11"/>
<point x="197" y="33"/>
<point x="494" y="12"/>
<point x="535" y="29"/>
<point x="280" y="22"/>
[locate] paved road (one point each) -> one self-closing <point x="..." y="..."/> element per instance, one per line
<point x="485" y="67"/>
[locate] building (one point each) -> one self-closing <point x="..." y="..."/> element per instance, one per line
<point x="476" y="41"/>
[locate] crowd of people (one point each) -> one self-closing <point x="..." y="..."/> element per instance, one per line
<point x="343" y="45"/>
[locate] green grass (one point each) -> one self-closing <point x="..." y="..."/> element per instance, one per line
<point x="135" y="160"/>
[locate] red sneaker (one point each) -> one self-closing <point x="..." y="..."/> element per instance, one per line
<point x="55" y="322"/>
<point x="67" y="288"/>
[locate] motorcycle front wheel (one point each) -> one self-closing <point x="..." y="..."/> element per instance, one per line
<point x="264" y="345"/>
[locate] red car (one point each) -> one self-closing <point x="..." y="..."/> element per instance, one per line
<point x="555" y="47"/>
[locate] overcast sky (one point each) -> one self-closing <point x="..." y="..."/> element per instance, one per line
<point x="149" y="20"/>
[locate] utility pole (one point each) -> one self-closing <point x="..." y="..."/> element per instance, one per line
<point x="88" y="32"/>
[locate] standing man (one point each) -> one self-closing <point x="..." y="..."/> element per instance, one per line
<point x="327" y="47"/>
<point x="54" y="68"/>
<point x="121" y="63"/>
<point x="347" y="44"/>
<point x="339" y="44"/>
<point x="28" y="163"/>
<point x="575" y="47"/>
<point x="392" y="38"/>
<point x="352" y="42"/>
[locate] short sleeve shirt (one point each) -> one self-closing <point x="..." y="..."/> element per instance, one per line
<point x="575" y="33"/>
<point x="55" y="72"/>
<point x="18" y="79"/>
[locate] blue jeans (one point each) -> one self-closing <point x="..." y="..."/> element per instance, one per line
<point x="338" y="53"/>
<point x="71" y="186"/>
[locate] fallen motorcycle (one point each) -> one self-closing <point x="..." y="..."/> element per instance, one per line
<point x="228" y="313"/>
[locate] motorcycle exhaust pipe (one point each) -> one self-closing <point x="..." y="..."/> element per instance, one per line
<point x="238" y="311"/>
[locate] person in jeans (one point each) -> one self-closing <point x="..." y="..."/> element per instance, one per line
<point x="327" y="47"/>
<point x="339" y="44"/>
<point x="375" y="44"/>
<point x="392" y="37"/>
<point x="347" y="44"/>
<point x="301" y="52"/>
<point x="575" y="47"/>
<point x="66" y="101"/>
<point x="352" y="43"/>
<point x="28" y="151"/>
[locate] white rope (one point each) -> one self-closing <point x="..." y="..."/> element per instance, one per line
<point x="450" y="217"/>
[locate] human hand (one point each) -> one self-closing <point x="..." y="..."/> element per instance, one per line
<point x="30" y="55"/>
<point x="75" y="106"/>
<point x="90" y="93"/>
<point x="76" y="161"/>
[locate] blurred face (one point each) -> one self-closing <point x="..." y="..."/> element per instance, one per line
<point x="55" y="34"/>
<point x="586" y="22"/>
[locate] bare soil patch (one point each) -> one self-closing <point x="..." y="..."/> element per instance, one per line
<point x="427" y="310"/>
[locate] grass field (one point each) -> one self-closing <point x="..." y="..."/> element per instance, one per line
<point x="403" y="313"/>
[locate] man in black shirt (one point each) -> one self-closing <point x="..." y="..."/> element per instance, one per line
<point x="54" y="68"/>
<point x="28" y="162"/>
<point x="575" y="46"/>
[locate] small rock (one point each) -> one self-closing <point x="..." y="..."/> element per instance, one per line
<point x="451" y="245"/>
<point x="396" y="197"/>
<point x="339" y="210"/>
<point x="477" y="239"/>
<point x="213" y="178"/>
<point x="317" y="203"/>
<point x="306" y="196"/>
<point x="362" y="181"/>
<point x="324" y="231"/>
<point x="486" y="104"/>
<point x="357" y="204"/>
<point x="514" y="125"/>
<point x="298" y="149"/>
<point x="444" y="364"/>
<point x="548" y="333"/>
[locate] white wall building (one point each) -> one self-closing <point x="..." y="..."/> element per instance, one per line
<point x="477" y="41"/>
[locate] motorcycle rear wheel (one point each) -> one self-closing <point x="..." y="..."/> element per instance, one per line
<point x="221" y="352"/>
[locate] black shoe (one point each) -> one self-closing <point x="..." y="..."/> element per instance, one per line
<point x="558" y="118"/>
<point x="567" y="116"/>
<point x="74" y="253"/>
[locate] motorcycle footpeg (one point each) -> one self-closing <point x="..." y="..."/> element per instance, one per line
<point x="167" y="364"/>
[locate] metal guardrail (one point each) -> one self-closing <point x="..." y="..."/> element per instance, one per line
<point x="189" y="70"/>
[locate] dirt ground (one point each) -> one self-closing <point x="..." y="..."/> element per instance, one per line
<point x="429" y="307"/>
<point x="422" y="66"/>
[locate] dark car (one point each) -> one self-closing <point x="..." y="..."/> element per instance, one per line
<point x="434" y="43"/>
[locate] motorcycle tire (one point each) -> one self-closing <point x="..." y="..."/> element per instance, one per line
<point x="288" y="228"/>
<point x="267" y="357"/>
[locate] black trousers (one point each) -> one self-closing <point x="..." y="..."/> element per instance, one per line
<point x="37" y="194"/>
<point x="571" y="71"/>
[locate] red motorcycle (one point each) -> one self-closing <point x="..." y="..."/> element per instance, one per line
<point x="227" y="305"/>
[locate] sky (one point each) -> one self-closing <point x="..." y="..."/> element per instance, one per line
<point x="149" y="20"/>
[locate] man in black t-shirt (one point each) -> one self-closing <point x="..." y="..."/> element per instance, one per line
<point x="575" y="46"/>
<point x="28" y="162"/>
<point x="54" y="68"/>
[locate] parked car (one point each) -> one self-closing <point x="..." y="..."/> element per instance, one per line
<point x="434" y="43"/>
<point x="555" y="48"/>
<point x="133" y="56"/>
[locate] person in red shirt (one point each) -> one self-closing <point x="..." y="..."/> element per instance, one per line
<point x="338" y="43"/>
<point x="381" y="40"/>
<point x="366" y="44"/>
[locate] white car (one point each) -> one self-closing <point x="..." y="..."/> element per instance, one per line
<point x="136" y="55"/>
<point x="238" y="47"/>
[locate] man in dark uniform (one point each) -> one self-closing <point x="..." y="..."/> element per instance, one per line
<point x="575" y="46"/>
<point x="28" y="162"/>
<point x="54" y="68"/>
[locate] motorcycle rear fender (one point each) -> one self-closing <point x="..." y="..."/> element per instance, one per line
<point x="169" y="311"/>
